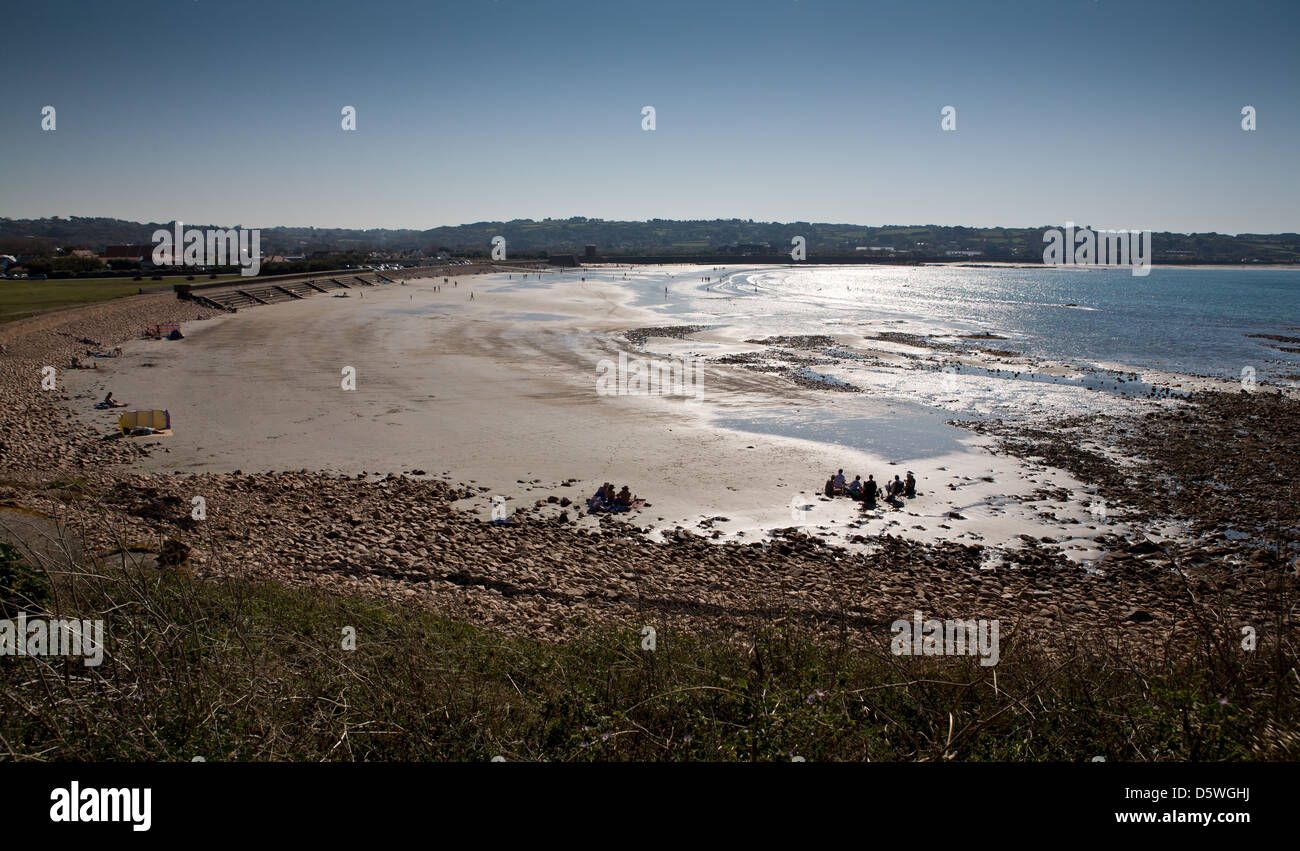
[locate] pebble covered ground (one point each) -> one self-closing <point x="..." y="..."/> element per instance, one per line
<point x="1221" y="467"/>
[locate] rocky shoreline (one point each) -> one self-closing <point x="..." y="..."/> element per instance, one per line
<point x="401" y="536"/>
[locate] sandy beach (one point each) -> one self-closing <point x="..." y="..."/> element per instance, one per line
<point x="1182" y="537"/>
<point x="499" y="392"/>
<point x="1089" y="508"/>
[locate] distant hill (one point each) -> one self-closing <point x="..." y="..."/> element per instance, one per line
<point x="526" y="237"/>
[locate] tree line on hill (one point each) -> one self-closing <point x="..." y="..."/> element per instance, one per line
<point x="532" y="238"/>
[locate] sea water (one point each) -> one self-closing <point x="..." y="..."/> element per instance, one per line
<point x="1105" y="326"/>
<point x="1192" y="321"/>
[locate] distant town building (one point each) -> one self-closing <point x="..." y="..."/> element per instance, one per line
<point x="562" y="259"/>
<point x="590" y="252"/>
<point x="142" y="253"/>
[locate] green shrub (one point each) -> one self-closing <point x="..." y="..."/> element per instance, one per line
<point x="22" y="588"/>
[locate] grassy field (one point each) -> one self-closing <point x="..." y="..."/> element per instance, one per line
<point x="237" y="670"/>
<point x="25" y="297"/>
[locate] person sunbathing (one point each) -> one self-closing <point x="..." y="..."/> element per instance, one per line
<point x="110" y="402"/>
<point x="909" y="485"/>
<point x="624" y="498"/>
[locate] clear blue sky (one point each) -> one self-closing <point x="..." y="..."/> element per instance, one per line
<point x="1118" y="114"/>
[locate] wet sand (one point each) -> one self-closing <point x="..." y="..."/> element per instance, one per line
<point x="499" y="393"/>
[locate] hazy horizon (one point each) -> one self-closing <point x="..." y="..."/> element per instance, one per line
<point x="267" y="226"/>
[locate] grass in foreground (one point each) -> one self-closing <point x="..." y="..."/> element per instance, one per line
<point x="25" y="297"/>
<point x="234" y="670"/>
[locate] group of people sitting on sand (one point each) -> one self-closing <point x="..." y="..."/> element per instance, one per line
<point x="605" y="499"/>
<point x="867" y="491"/>
<point x="77" y="363"/>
